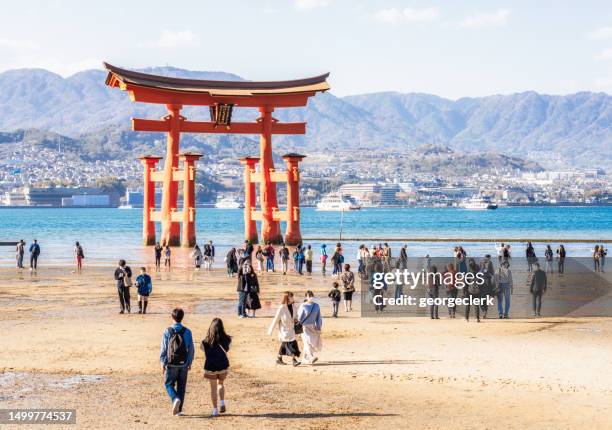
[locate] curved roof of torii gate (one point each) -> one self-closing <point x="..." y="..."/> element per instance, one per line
<point x="163" y="89"/>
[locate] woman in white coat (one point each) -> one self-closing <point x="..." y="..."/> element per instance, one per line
<point x="284" y="320"/>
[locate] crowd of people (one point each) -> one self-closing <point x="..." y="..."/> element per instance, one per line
<point x="248" y="262"/>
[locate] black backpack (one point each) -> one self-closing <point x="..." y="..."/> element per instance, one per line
<point x="177" y="349"/>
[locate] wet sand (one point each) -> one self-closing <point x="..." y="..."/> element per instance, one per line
<point x="65" y="346"/>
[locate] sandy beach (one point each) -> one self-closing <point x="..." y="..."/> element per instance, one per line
<point x="66" y="346"/>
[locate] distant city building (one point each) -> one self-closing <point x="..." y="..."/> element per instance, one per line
<point x="84" y="200"/>
<point x="359" y="191"/>
<point x="388" y="194"/>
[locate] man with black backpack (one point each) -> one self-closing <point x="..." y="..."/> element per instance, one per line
<point x="175" y="357"/>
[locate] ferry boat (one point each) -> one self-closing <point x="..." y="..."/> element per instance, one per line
<point x="337" y="202"/>
<point x="229" y="202"/>
<point x="478" y="203"/>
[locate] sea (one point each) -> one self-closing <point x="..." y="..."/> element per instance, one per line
<point x="109" y="234"/>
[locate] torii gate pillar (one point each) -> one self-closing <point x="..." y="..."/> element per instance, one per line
<point x="292" y="234"/>
<point x="250" y="199"/>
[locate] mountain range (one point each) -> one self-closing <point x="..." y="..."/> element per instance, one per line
<point x="565" y="130"/>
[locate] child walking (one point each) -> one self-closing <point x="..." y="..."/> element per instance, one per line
<point x="215" y="346"/>
<point x="335" y="296"/>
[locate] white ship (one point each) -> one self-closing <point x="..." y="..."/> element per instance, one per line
<point x="478" y="203"/>
<point x="229" y="202"/>
<point x="125" y="207"/>
<point x="337" y="202"/>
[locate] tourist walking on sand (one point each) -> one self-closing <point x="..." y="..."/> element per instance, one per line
<point x="231" y="262"/>
<point x="79" y="254"/>
<point x="34" y="253"/>
<point x="347" y="279"/>
<point x="337" y="260"/>
<point x="561" y="254"/>
<point x="548" y="257"/>
<point x="285" y="321"/>
<point x="269" y="252"/>
<point x="486" y="289"/>
<point x="387" y="258"/>
<point x="308" y="255"/>
<point x="433" y="291"/>
<point x="209" y="255"/>
<point x="158" y="255"/>
<point x="259" y="258"/>
<point x="145" y="287"/>
<point x="505" y="288"/>
<point x="335" y="296"/>
<point x="167" y="254"/>
<point x="252" y="302"/>
<point x="472" y="290"/>
<point x="377" y="289"/>
<point x="531" y="256"/>
<point x="216" y="345"/>
<point x="596" y="258"/>
<point x="123" y="276"/>
<point x="602" y="258"/>
<point x="323" y="257"/>
<point x="197" y="256"/>
<point x="402" y="261"/>
<point x="284" y="256"/>
<point x="175" y="356"/>
<point x="248" y="291"/>
<point x="500" y="252"/>
<point x="451" y="290"/>
<point x="538" y="288"/>
<point x="309" y="315"/>
<point x="19" y="251"/>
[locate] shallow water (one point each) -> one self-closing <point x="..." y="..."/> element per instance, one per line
<point x="109" y="234"/>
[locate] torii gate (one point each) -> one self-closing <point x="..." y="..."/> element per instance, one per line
<point x="221" y="97"/>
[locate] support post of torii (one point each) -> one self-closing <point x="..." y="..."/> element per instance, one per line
<point x="148" y="202"/>
<point x="189" y="212"/>
<point x="292" y="234"/>
<point x="250" y="199"/>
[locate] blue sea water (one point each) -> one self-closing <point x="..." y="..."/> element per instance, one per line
<point x="108" y="234"/>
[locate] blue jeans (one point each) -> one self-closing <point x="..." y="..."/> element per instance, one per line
<point x="176" y="383"/>
<point x="269" y="264"/>
<point x="503" y="295"/>
<point x="242" y="296"/>
<point x="399" y="291"/>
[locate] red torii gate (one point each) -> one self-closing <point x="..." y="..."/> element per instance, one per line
<point x="221" y="96"/>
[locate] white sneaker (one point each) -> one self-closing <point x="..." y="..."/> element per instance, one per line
<point x="176" y="405"/>
<point x="215" y="412"/>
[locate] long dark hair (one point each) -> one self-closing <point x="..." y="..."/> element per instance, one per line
<point x="216" y="334"/>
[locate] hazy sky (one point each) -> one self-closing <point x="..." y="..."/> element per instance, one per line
<point x="449" y="48"/>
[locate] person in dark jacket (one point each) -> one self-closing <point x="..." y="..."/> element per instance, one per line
<point x="252" y="302"/>
<point x="247" y="283"/>
<point x="158" y="254"/>
<point x="486" y="289"/>
<point x="123" y="276"/>
<point x="145" y="287"/>
<point x="34" y="253"/>
<point x="538" y="288"/>
<point x="531" y="256"/>
<point x="216" y="364"/>
<point x="231" y="262"/>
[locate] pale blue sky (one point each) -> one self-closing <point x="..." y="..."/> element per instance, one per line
<point x="448" y="48"/>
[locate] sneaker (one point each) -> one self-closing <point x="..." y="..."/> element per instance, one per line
<point x="121" y="312"/>
<point x="240" y="316"/>
<point x="222" y="409"/>
<point x="280" y="361"/>
<point x="176" y="406"/>
<point x="215" y="412"/>
<point x="296" y="363"/>
<point x="314" y="360"/>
